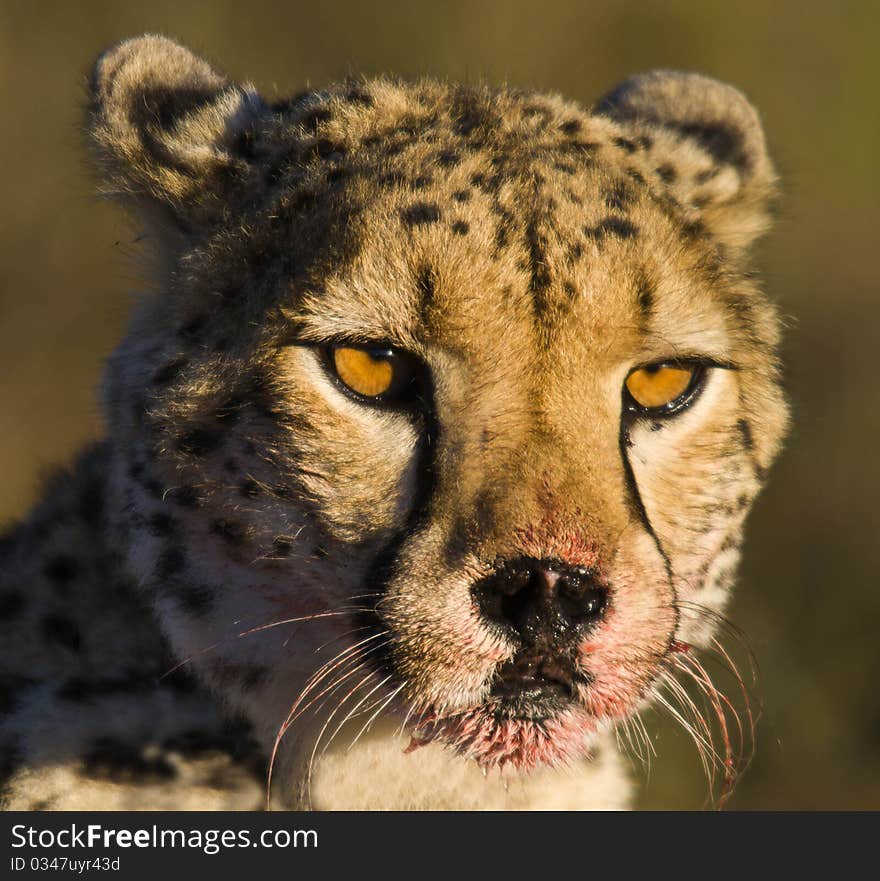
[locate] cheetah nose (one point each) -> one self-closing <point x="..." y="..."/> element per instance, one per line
<point x="546" y="604"/>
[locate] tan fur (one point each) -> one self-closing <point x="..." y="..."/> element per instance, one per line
<point x="250" y="521"/>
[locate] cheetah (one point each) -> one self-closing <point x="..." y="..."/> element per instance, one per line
<point x="429" y="446"/>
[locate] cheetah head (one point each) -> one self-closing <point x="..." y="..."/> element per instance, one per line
<point x="444" y="403"/>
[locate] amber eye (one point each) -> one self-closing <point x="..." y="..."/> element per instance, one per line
<point x="374" y="373"/>
<point x="661" y="387"/>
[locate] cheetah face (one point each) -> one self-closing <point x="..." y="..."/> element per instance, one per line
<point x="450" y="403"/>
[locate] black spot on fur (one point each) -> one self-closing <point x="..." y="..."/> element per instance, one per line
<point x="192" y="330"/>
<point x="195" y="599"/>
<point x="323" y="149"/>
<point x="421" y="214"/>
<point x="264" y="398"/>
<point x="229" y="412"/>
<point x="198" y="442"/>
<point x="166" y="107"/>
<point x="171" y="562"/>
<point x="234" y="739"/>
<point x="422" y="181"/>
<point x="625" y="144"/>
<point x="426" y="283"/>
<point x="468" y="115"/>
<point x="461" y="196"/>
<point x="254" y="677"/>
<point x="570" y="127"/>
<point x="179" y="680"/>
<point x="119" y="762"/>
<point x="644" y="296"/>
<point x="244" y="144"/>
<point x="746" y="431"/>
<point x="230" y="531"/>
<point x="62" y="630"/>
<point x="194" y="743"/>
<point x="161" y="524"/>
<point x="536" y="109"/>
<point x="338" y="174"/>
<point x="721" y="142"/>
<point x="460" y="227"/>
<point x="729" y="543"/>
<point x="611" y="226"/>
<point x="619" y="197"/>
<point x="582" y="150"/>
<point x="667" y="173"/>
<point x="539" y="272"/>
<point x="505" y="227"/>
<point x="62" y="570"/>
<point x="314" y="117"/>
<point x="185" y="496"/>
<point x="280" y="166"/>
<point x="249" y="488"/>
<point x="694" y="230"/>
<point x="448" y="158"/>
<point x="303" y="201"/>
<point x="281" y="547"/>
<point x="358" y="96"/>
<point x="12" y="604"/>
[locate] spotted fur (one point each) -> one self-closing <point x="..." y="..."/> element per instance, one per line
<point x="255" y="565"/>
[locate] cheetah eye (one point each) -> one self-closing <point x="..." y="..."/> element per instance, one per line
<point x="663" y="388"/>
<point x="377" y="374"/>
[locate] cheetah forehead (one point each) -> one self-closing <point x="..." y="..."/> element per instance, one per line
<point x="405" y="193"/>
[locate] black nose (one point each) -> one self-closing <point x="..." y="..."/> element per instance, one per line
<point x="544" y="603"/>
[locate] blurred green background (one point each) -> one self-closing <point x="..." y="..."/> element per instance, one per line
<point x="809" y="600"/>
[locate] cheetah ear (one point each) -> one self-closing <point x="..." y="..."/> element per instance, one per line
<point x="170" y="132"/>
<point x="707" y="149"/>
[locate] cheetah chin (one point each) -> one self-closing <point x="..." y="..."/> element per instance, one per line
<point x="429" y="451"/>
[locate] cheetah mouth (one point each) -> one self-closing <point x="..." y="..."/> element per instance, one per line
<point x="536" y="683"/>
<point x="521" y="735"/>
<point x="529" y="720"/>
